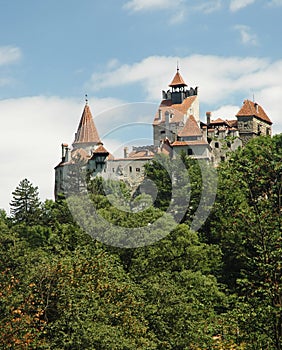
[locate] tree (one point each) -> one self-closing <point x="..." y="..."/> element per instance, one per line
<point x="25" y="205"/>
<point x="246" y="223"/>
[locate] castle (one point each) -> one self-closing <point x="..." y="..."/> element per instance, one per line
<point x="176" y="128"/>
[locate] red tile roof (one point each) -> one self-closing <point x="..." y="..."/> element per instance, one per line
<point x="190" y="128"/>
<point x="189" y="143"/>
<point x="232" y="123"/>
<point x="178" y="110"/>
<point x="140" y="154"/>
<point x="86" y="131"/>
<point x="218" y="121"/>
<point x="177" y="80"/>
<point x="101" y="149"/>
<point x="79" y="153"/>
<point x="250" y="108"/>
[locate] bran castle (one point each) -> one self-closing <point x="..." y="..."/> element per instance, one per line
<point x="176" y="128"/>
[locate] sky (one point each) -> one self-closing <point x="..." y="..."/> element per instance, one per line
<point x="122" y="54"/>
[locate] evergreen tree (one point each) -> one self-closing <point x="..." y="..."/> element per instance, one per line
<point x="25" y="205"/>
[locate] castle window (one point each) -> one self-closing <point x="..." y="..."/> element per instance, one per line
<point x="216" y="145"/>
<point x="222" y="158"/>
<point x="190" y="152"/>
<point x="162" y="132"/>
<point x="138" y="170"/>
<point x="113" y="170"/>
<point x="130" y="169"/>
<point x="268" y="131"/>
<point x="228" y="144"/>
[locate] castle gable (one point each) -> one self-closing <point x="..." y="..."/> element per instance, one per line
<point x="190" y="129"/>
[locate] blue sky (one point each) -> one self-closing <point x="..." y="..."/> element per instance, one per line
<point x="54" y="52"/>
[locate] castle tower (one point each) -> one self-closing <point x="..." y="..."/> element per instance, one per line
<point x="177" y="105"/>
<point x="86" y="136"/>
<point x="86" y="140"/>
<point x="178" y="88"/>
<point x="252" y="121"/>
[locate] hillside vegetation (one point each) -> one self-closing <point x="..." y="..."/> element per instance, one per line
<point x="217" y="288"/>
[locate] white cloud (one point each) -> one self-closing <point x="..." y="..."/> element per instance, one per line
<point x="178" y="9"/>
<point x="148" y="5"/>
<point x="270" y="98"/>
<point x="221" y="80"/>
<point x="236" y="5"/>
<point x="178" y="16"/>
<point x="225" y="112"/>
<point x="247" y="37"/>
<point x="9" y="54"/>
<point x="33" y="129"/>
<point x="208" y="6"/>
<point x="211" y="73"/>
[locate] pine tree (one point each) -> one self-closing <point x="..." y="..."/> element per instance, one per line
<point x="25" y="205"/>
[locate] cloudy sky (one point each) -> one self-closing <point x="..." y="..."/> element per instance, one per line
<point x="122" y="54"/>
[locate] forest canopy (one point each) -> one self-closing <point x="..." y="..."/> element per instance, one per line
<point x="219" y="287"/>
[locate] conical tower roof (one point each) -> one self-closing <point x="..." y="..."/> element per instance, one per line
<point x="86" y="131"/>
<point x="177" y="80"/>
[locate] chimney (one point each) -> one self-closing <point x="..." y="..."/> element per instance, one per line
<point x="125" y="152"/>
<point x="256" y="107"/>
<point x="208" y="115"/>
<point x="65" y="152"/>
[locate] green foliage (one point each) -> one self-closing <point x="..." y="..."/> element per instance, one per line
<point x="216" y="289"/>
<point x="25" y="205"/>
<point x="247" y="225"/>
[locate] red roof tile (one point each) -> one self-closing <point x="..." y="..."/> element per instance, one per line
<point x="218" y="121"/>
<point x="232" y="123"/>
<point x="189" y="143"/>
<point x="250" y="108"/>
<point x="86" y="131"/>
<point x="190" y="128"/>
<point x="178" y="110"/>
<point x="79" y="153"/>
<point x="177" y="80"/>
<point x="140" y="154"/>
<point x="101" y="149"/>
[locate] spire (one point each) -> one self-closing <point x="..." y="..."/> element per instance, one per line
<point x="177" y="80"/>
<point x="86" y="131"/>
